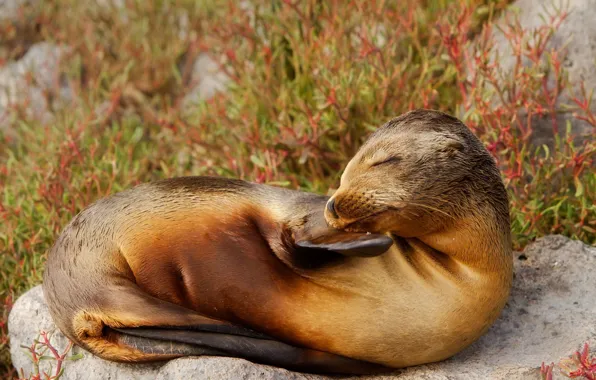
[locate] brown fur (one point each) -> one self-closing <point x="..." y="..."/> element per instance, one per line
<point x="198" y="250"/>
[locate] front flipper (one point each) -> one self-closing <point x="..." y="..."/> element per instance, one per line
<point x="349" y="243"/>
<point x="267" y="351"/>
<point x="315" y="234"/>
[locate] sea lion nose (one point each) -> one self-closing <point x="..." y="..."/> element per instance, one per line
<point x="331" y="208"/>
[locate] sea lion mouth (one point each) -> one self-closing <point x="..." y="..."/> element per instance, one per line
<point x="366" y="223"/>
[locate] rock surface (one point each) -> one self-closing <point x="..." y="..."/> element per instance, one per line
<point x="206" y="79"/>
<point x="31" y="83"/>
<point x="550" y="314"/>
<point x="9" y="9"/>
<point x="576" y="38"/>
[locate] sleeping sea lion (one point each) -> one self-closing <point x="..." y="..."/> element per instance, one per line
<point x="407" y="263"/>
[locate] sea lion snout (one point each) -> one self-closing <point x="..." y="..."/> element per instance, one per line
<point x="331" y="209"/>
<point x="331" y="216"/>
<point x="335" y="213"/>
<point x="347" y="207"/>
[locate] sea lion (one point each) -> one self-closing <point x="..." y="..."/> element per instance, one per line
<point x="407" y="263"/>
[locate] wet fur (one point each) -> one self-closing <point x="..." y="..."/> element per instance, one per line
<point x="215" y="254"/>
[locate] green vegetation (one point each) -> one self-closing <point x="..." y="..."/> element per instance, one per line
<point x="309" y="81"/>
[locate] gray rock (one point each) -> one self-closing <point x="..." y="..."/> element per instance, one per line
<point x="27" y="83"/>
<point x="550" y="314"/>
<point x="9" y="9"/>
<point x="576" y="39"/>
<point x="111" y="4"/>
<point x="206" y="79"/>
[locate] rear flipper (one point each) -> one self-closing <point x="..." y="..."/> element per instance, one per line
<point x="177" y="342"/>
<point x="136" y="327"/>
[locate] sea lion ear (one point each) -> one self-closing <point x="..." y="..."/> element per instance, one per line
<point x="349" y="243"/>
<point x="452" y="146"/>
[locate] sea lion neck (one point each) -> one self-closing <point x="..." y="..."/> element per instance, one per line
<point x="474" y="242"/>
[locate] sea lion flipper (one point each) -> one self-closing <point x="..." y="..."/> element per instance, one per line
<point x="314" y="233"/>
<point x="267" y="351"/>
<point x="349" y="243"/>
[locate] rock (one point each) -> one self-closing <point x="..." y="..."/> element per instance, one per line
<point x="9" y="9"/>
<point x="578" y="33"/>
<point x="30" y="82"/>
<point x="550" y="314"/>
<point x="207" y="80"/>
<point x="19" y="26"/>
<point x="110" y="4"/>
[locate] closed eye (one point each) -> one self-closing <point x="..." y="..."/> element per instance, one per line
<point x="389" y="160"/>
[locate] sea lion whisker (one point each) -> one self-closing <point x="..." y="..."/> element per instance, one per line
<point x="443" y="200"/>
<point x="398" y="206"/>
<point x="430" y="208"/>
<point x="408" y="214"/>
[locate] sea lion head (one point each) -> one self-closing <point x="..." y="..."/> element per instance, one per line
<point x="413" y="175"/>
